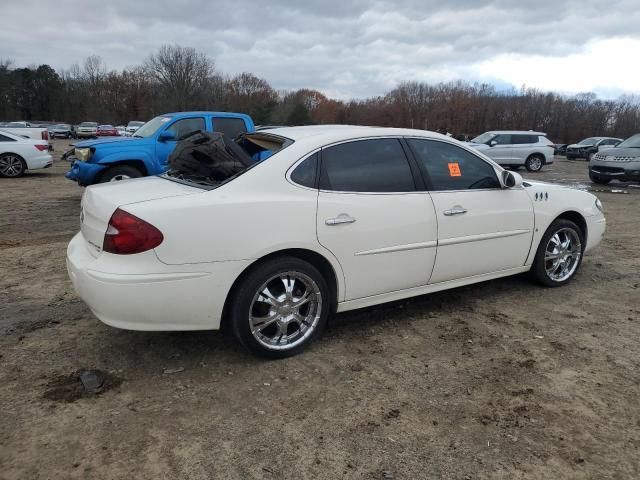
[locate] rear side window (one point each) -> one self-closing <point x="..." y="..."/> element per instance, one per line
<point x="184" y="127"/>
<point x="231" y="127"/>
<point x="305" y="173"/>
<point x="450" y="167"/>
<point x="523" y="139"/>
<point x="377" y="165"/>
<point x="4" y="138"/>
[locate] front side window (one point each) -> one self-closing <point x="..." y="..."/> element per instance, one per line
<point x="450" y="167"/>
<point x="231" y="127"/>
<point x="186" y="126"/>
<point x="502" y="139"/>
<point x="376" y="165"/>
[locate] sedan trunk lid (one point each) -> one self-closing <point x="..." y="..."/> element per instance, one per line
<point x="100" y="201"/>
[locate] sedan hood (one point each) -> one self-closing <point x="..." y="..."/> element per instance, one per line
<point x="621" y="152"/>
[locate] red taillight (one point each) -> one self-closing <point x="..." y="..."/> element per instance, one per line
<point x="45" y="135"/>
<point x="42" y="148"/>
<point x="127" y="234"/>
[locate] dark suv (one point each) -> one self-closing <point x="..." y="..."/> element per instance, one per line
<point x="588" y="147"/>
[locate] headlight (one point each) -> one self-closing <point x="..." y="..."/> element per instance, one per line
<point x="83" y="154"/>
<point x="599" y="205"/>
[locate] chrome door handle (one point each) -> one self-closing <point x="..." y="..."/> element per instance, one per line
<point x="340" y="219"/>
<point x="457" y="210"/>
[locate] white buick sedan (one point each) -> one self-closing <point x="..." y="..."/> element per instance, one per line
<point x="337" y="218"/>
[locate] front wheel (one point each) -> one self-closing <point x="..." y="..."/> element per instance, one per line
<point x="280" y="307"/>
<point x="559" y="254"/>
<point x="534" y="163"/>
<point x="120" y="172"/>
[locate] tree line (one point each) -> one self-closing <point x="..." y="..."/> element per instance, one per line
<point x="177" y="78"/>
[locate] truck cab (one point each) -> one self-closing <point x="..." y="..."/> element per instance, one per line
<point x="147" y="151"/>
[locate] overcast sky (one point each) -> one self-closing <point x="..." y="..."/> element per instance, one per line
<point x="348" y="48"/>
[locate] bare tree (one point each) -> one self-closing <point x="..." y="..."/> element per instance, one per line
<point x="182" y="72"/>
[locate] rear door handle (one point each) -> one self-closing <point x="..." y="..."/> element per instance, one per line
<point x="340" y="219"/>
<point x="457" y="210"/>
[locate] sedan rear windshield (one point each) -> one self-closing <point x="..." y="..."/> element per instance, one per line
<point x="208" y="160"/>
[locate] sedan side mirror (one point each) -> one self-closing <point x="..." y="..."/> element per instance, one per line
<point x="167" y="136"/>
<point x="511" y="179"/>
<point x="493" y="143"/>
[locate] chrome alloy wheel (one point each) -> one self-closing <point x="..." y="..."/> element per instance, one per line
<point x="285" y="311"/>
<point x="535" y="164"/>
<point x="11" y="166"/>
<point x="562" y="254"/>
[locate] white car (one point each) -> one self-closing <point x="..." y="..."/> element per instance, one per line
<point x="19" y="154"/>
<point x="513" y="148"/>
<point x="338" y="218"/>
<point x="132" y="127"/>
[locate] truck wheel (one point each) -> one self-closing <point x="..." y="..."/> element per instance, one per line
<point x="12" y="165"/>
<point x="120" y="172"/>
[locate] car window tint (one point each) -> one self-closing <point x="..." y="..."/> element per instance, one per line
<point x="523" y="139"/>
<point x="231" y="127"/>
<point x="4" y="138"/>
<point x="377" y="165"/>
<point x="502" y="139"/>
<point x="305" y="173"/>
<point x="186" y="126"/>
<point x="450" y="167"/>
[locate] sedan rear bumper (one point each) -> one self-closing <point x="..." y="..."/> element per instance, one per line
<point x="173" y="297"/>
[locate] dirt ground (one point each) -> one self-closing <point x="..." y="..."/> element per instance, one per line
<point x="503" y="379"/>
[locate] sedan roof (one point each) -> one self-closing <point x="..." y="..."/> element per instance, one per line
<point x="335" y="133"/>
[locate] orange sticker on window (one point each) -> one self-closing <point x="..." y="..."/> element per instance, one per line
<point x="454" y="170"/>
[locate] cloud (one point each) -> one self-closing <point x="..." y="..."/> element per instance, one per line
<point x="346" y="49"/>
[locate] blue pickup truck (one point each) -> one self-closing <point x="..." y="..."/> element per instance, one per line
<point x="146" y="152"/>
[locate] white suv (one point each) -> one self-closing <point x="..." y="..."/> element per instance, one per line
<point x="516" y="148"/>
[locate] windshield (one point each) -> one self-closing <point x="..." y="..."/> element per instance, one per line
<point x="88" y="124"/>
<point x="135" y="124"/>
<point x="151" y="127"/>
<point x="588" y="141"/>
<point x="631" y="142"/>
<point x="484" y="138"/>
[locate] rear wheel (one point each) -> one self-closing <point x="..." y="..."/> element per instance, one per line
<point x="12" y="165"/>
<point x="559" y="254"/>
<point x="280" y="307"/>
<point x="120" y="172"/>
<point x="598" y="179"/>
<point x="534" y="163"/>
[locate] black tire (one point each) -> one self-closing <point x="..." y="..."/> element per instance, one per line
<point x="598" y="179"/>
<point x="242" y="306"/>
<point x="112" y="174"/>
<point x="570" y="157"/>
<point x="539" y="270"/>
<point x="534" y="162"/>
<point x="12" y="165"/>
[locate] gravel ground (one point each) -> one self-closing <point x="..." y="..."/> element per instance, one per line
<point x="503" y="379"/>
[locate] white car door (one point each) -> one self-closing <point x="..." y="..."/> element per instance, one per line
<point x="370" y="216"/>
<point x="522" y="146"/>
<point x="482" y="228"/>
<point x="502" y="151"/>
